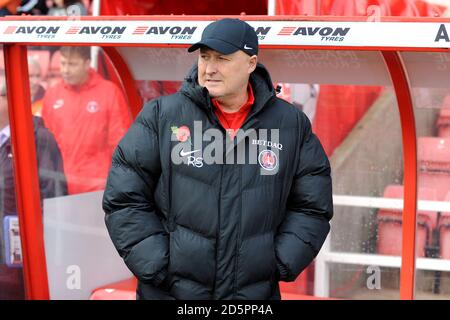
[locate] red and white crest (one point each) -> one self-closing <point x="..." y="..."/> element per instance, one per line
<point x="268" y="159"/>
<point x="92" y="106"/>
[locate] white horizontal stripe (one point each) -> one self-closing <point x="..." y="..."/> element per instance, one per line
<point x="302" y="33"/>
<point x="388" y="203"/>
<point x="384" y="261"/>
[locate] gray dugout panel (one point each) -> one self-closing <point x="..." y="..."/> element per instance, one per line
<point x="293" y="66"/>
<point x="337" y="67"/>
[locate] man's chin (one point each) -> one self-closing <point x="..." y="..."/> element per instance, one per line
<point x="214" y="93"/>
<point x="69" y="82"/>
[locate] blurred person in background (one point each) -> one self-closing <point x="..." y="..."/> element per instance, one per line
<point x="52" y="183"/>
<point x="33" y="7"/>
<point x="66" y="8"/>
<point x="87" y="115"/>
<point x="9" y="7"/>
<point x="37" y="90"/>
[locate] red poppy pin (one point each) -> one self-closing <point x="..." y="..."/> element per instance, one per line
<point x="182" y="133"/>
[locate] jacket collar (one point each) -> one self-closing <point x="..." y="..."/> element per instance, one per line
<point x="260" y="80"/>
<point x="5" y="134"/>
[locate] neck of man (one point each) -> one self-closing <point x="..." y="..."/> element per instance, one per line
<point x="233" y="103"/>
<point x="83" y="81"/>
<point x="4" y="120"/>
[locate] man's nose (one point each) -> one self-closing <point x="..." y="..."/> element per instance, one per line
<point x="211" y="67"/>
<point x="63" y="68"/>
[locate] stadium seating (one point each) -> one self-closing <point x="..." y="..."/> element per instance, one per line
<point x="2" y="61"/>
<point x="121" y="290"/>
<point x="301" y="285"/>
<point x="434" y="164"/>
<point x="389" y="240"/>
<point x="126" y="290"/>
<point x="444" y="232"/>
<point x="54" y="69"/>
<point x="443" y="123"/>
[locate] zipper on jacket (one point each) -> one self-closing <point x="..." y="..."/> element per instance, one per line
<point x="171" y="218"/>
<point x="238" y="237"/>
<point x="254" y="114"/>
<point x="214" y="295"/>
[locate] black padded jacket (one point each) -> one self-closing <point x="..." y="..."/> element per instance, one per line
<point x="209" y="230"/>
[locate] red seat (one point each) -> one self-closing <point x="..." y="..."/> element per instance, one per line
<point x="150" y="89"/>
<point x="446" y="102"/>
<point x="434" y="164"/>
<point x="54" y="62"/>
<point x="122" y="290"/>
<point x="389" y="240"/>
<point x="54" y="74"/>
<point x="126" y="290"/>
<point x="293" y="296"/>
<point x="444" y="234"/>
<point x="2" y="61"/>
<point x="443" y="123"/>
<point x="301" y="284"/>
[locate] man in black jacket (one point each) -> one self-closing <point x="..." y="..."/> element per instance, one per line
<point x="220" y="190"/>
<point x="52" y="183"/>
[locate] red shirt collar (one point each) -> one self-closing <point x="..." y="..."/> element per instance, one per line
<point x="245" y="108"/>
<point x="232" y="121"/>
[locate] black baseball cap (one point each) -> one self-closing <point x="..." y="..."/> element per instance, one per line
<point x="228" y="36"/>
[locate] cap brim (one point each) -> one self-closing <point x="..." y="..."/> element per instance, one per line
<point x="215" y="44"/>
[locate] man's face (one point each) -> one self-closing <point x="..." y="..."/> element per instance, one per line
<point x="224" y="75"/>
<point x="59" y="3"/>
<point x="74" y="69"/>
<point x="34" y="73"/>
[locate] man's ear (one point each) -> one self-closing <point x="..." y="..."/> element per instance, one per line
<point x="87" y="63"/>
<point x="253" y="61"/>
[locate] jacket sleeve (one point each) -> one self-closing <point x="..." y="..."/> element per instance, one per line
<point x="128" y="201"/>
<point x="309" y="207"/>
<point x="52" y="181"/>
<point x="119" y="118"/>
